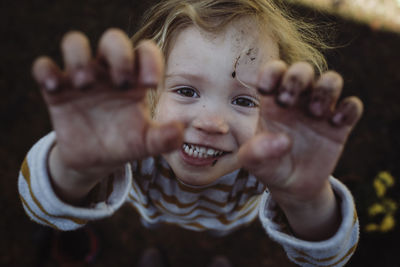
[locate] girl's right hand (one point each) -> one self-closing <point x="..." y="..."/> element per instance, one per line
<point x="97" y="105"/>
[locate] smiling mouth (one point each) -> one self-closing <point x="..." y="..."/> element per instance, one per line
<point x="201" y="152"/>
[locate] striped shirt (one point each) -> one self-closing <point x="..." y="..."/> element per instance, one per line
<point x="225" y="205"/>
<point x="152" y="189"/>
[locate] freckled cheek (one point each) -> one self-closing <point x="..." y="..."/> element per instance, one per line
<point x="167" y="111"/>
<point x="246" y="129"/>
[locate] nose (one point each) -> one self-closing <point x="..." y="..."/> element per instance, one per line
<point x="211" y="123"/>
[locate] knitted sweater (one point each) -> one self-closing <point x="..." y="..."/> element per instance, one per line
<point x="151" y="187"/>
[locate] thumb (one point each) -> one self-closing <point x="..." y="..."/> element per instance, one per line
<point x="264" y="149"/>
<point x="164" y="138"/>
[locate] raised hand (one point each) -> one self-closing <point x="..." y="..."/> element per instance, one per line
<point x="97" y="104"/>
<point x="303" y="130"/>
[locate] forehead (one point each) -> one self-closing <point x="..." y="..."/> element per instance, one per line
<point x="241" y="39"/>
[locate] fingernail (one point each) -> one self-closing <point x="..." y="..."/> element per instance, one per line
<point x="338" y="118"/>
<point x="51" y="84"/>
<point x="81" y="79"/>
<point x="316" y="108"/>
<point x="282" y="141"/>
<point x="286" y="98"/>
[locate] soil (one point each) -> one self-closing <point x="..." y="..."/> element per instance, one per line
<point x="368" y="60"/>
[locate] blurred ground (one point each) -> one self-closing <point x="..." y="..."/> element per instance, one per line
<point x="379" y="14"/>
<point x="368" y="60"/>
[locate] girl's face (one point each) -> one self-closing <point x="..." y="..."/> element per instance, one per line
<point x="202" y="90"/>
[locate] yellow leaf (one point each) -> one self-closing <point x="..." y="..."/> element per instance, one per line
<point x="376" y="209"/>
<point x="380" y="188"/>
<point x="371" y="227"/>
<point x="387" y="178"/>
<point x="387" y="223"/>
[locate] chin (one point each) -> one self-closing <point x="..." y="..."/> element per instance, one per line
<point x="195" y="180"/>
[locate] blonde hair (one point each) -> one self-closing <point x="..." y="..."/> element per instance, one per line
<point x="297" y="40"/>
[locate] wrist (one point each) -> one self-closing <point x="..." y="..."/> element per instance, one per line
<point x="71" y="185"/>
<point x="303" y="199"/>
<point x="311" y="218"/>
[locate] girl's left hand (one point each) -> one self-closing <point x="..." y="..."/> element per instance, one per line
<point x="303" y="129"/>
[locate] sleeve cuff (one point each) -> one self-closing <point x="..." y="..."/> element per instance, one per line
<point x="335" y="251"/>
<point x="41" y="202"/>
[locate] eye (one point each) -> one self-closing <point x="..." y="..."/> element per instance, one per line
<point x="187" y="92"/>
<point x="245" y="102"/>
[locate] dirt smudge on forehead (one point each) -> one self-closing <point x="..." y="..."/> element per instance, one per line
<point x="246" y="42"/>
<point x="247" y="56"/>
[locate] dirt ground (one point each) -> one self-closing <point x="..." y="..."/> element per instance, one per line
<point x="368" y="60"/>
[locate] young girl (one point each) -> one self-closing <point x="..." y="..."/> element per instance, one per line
<point x="238" y="127"/>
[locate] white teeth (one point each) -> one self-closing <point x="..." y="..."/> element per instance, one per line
<point x="200" y="152"/>
<point x="186" y="148"/>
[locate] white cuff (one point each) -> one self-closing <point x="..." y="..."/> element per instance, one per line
<point x="44" y="206"/>
<point x="335" y="251"/>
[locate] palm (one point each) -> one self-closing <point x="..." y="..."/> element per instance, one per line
<point x="316" y="144"/>
<point x="106" y="126"/>
<point x="310" y="119"/>
<point x="97" y="104"/>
